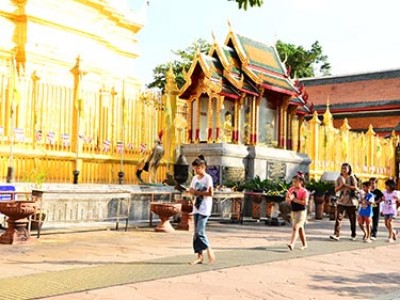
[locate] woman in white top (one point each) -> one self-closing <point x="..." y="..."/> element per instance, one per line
<point x="202" y="189"/>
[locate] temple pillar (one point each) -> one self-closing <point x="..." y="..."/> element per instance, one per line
<point x="210" y="119"/>
<point x="197" y="128"/>
<point x="300" y="124"/>
<point x="236" y="121"/>
<point x="252" y="112"/>
<point x="256" y="113"/>
<point x="220" y="102"/>
<point x="190" y="121"/>
<point x="283" y="123"/>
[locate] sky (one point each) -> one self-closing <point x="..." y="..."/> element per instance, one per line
<point x="357" y="35"/>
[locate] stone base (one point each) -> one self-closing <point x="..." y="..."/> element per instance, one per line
<point x="186" y="222"/>
<point x="164" y="226"/>
<point x="16" y="233"/>
<point x="231" y="163"/>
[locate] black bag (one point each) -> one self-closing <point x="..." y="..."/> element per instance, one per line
<point x="297" y="206"/>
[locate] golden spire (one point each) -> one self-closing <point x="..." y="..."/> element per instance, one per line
<point x="328" y="118"/>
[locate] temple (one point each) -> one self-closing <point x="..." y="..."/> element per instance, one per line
<point x="241" y="93"/>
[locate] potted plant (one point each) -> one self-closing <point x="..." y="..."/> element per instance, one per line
<point x="318" y="190"/>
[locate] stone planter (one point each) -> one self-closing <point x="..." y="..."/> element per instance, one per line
<point x="319" y="200"/>
<point x="165" y="210"/>
<point x="17" y="213"/>
<point x="186" y="222"/>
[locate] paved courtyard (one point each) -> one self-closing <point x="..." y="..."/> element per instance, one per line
<point x="253" y="262"/>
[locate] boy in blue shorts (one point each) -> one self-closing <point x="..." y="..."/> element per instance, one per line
<point x="365" y="212"/>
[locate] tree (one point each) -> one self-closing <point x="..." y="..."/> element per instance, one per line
<point x="246" y="3"/>
<point x="302" y="62"/>
<point x="183" y="62"/>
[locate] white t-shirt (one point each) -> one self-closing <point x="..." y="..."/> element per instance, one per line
<point x="203" y="184"/>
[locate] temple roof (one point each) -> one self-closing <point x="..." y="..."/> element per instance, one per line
<point x="243" y="65"/>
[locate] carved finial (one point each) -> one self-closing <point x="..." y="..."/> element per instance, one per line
<point x="35" y="76"/>
<point x="213" y="36"/>
<point x="230" y="26"/>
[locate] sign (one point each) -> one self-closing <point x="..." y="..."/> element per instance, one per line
<point x="276" y="170"/>
<point x="233" y="174"/>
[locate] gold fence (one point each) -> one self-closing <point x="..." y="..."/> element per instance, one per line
<point x="328" y="147"/>
<point x="41" y="139"/>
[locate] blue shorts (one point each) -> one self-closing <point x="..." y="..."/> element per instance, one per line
<point x="389" y="216"/>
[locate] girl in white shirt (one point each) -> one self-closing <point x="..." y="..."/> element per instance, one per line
<point x="202" y="189"/>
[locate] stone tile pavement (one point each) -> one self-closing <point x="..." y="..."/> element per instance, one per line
<point x="252" y="263"/>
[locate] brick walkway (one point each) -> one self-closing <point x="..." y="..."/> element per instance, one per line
<point x="253" y="263"/>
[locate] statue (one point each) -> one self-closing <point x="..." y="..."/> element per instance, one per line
<point x="150" y="163"/>
<point x="227" y="128"/>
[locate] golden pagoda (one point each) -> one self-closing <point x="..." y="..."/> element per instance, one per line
<point x="69" y="100"/>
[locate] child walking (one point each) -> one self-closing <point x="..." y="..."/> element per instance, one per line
<point x="201" y="188"/>
<point x="389" y="208"/>
<point x="297" y="196"/>
<point x="365" y="212"/>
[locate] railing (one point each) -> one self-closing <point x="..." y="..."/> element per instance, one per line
<point x="328" y="147"/>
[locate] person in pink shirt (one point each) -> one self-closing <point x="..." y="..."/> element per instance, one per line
<point x="297" y="197"/>
<point x="389" y="208"/>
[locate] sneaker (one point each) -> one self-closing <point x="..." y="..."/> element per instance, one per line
<point x="367" y="241"/>
<point x="353" y="238"/>
<point x="334" y="237"/>
<point x="390" y="240"/>
<point x="373" y="238"/>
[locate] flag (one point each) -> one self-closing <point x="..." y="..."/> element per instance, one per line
<point x="66" y="140"/>
<point x="143" y="148"/>
<point x="19" y="134"/>
<point x="38" y="135"/>
<point x="120" y="147"/>
<point x="51" y="137"/>
<point x="86" y="139"/>
<point x="106" y="145"/>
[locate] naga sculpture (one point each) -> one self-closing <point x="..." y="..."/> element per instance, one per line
<point x="150" y="163"/>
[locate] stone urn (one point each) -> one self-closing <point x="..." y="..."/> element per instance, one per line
<point x="186" y="222"/>
<point x="181" y="172"/>
<point x="17" y="213"/>
<point x="165" y="210"/>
